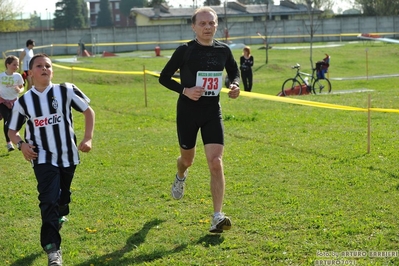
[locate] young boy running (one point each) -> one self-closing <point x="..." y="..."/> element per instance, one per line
<point x="50" y="145"/>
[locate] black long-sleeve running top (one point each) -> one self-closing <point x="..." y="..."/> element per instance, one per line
<point x="193" y="57"/>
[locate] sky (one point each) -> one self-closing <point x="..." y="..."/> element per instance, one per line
<point x="29" y="6"/>
<point x="47" y="8"/>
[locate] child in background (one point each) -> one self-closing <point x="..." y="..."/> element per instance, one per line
<point x="24" y="58"/>
<point x="11" y="85"/>
<point x="50" y="145"/>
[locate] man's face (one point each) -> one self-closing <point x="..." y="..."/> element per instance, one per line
<point x="205" y="26"/>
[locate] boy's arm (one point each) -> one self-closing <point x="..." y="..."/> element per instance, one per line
<point x="25" y="148"/>
<point x="85" y="145"/>
<point x="14" y="136"/>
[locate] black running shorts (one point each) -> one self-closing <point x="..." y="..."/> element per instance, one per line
<point x="192" y="117"/>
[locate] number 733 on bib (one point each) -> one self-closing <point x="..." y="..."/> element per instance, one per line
<point x="211" y="81"/>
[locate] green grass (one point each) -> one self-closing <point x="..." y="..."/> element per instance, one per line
<point x="299" y="179"/>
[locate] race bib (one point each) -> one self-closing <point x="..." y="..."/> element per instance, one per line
<point x="211" y="81"/>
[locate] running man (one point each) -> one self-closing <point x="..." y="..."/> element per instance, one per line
<point x="201" y="63"/>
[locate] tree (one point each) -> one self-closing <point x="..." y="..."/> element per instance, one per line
<point x="154" y="3"/>
<point x="312" y="6"/>
<point x="266" y="6"/>
<point x="379" y="7"/>
<point x="104" y="18"/>
<point x="8" y="17"/>
<point x="251" y="2"/>
<point x="127" y="5"/>
<point x="212" y="3"/>
<point x="70" y="14"/>
<point x="85" y="13"/>
<point x="268" y="3"/>
<point x="312" y="28"/>
<point x="318" y="4"/>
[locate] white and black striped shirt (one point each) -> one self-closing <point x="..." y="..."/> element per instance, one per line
<point x="49" y="122"/>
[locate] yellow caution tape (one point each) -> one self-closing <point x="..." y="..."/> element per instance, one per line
<point x="247" y="94"/>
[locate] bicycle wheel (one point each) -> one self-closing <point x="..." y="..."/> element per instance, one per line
<point x="291" y="87"/>
<point x="321" y="86"/>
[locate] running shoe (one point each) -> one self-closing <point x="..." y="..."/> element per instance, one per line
<point x="55" y="258"/>
<point x="10" y="147"/>
<point x="178" y="187"/>
<point x="220" y="223"/>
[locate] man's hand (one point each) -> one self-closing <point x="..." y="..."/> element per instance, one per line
<point x="234" y="91"/>
<point x="194" y="93"/>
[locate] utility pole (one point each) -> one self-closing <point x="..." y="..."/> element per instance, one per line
<point x="266" y="39"/>
<point x="48" y="19"/>
<point x="309" y="4"/>
<point x="226" y="27"/>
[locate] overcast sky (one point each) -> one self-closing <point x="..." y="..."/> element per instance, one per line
<point x="46" y="8"/>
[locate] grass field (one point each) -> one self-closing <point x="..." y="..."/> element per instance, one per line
<point x="301" y="187"/>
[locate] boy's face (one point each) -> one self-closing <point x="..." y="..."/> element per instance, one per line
<point x="42" y="71"/>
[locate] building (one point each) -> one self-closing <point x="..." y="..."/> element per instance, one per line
<point x="119" y="19"/>
<point x="163" y="15"/>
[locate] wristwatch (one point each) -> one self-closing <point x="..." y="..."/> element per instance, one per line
<point x="19" y="144"/>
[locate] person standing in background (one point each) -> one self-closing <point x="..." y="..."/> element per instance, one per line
<point x="246" y="63"/>
<point x="201" y="62"/>
<point x="11" y="85"/>
<point x="24" y="58"/>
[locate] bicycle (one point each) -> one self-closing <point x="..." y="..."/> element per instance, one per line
<point x="295" y="85"/>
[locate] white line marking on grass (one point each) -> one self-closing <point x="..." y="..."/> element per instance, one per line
<point x="349" y="91"/>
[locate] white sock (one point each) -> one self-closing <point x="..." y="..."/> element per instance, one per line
<point x="179" y="178"/>
<point x="216" y="214"/>
<point x="182" y="178"/>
